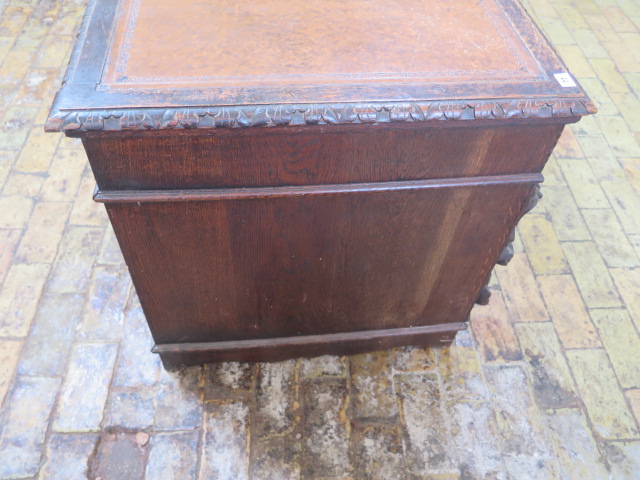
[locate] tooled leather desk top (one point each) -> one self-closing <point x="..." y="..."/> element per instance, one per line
<point x="157" y="64"/>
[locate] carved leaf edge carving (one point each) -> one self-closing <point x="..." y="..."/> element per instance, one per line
<point x="314" y="114"/>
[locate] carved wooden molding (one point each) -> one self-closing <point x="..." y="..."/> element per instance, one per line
<point x="483" y="296"/>
<point x="243" y="193"/>
<point x="507" y="252"/>
<point x="313" y="114"/>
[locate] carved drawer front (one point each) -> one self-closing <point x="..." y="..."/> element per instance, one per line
<point x="317" y="157"/>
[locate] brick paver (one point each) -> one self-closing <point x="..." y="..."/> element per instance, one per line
<point x="545" y="385"/>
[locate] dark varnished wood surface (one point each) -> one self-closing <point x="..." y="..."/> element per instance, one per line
<point x="325" y="263"/>
<point x="248" y="193"/>
<point x="271" y="234"/>
<point x="313" y="157"/>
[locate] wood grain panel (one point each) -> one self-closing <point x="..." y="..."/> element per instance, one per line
<point x="272" y="267"/>
<point x="264" y="159"/>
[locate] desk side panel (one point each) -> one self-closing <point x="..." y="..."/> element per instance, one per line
<point x="220" y="270"/>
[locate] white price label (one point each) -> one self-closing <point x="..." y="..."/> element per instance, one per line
<point x="565" y="80"/>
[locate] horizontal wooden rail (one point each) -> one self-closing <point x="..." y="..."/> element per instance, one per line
<point x="306" y="340"/>
<point x="155" y="196"/>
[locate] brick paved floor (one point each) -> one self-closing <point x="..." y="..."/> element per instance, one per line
<point x="546" y="384"/>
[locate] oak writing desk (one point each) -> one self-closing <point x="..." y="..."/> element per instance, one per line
<point x="301" y="177"/>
